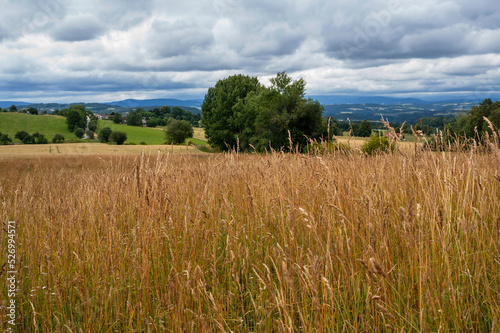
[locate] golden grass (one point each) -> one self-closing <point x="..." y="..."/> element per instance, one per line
<point x="255" y="243"/>
<point x="199" y="133"/>
<point x="88" y="149"/>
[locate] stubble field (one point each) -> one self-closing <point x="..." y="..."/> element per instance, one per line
<point x="160" y="242"/>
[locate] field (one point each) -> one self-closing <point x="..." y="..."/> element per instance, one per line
<point x="11" y="123"/>
<point x="135" y="134"/>
<point x="406" y="242"/>
<point x="89" y="149"/>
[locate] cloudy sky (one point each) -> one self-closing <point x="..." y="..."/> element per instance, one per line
<point x="98" y="51"/>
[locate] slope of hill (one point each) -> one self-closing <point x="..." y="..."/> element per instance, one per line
<point x="11" y="123"/>
<point x="135" y="134"/>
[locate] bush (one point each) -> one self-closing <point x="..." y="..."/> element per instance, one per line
<point x="4" y="139"/>
<point x="90" y="135"/>
<point x="79" y="133"/>
<point x="178" y="131"/>
<point x="58" y="138"/>
<point x="21" y="135"/>
<point x="118" y="137"/>
<point x="39" y="139"/>
<point x="376" y="145"/>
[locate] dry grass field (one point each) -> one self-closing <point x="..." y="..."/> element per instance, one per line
<point x="406" y="242"/>
<point x="88" y="149"/>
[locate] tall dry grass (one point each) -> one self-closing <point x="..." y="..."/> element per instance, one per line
<point x="255" y="243"/>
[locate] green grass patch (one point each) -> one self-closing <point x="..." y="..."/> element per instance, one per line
<point x="135" y="134"/>
<point x="11" y="123"/>
<point x="196" y="142"/>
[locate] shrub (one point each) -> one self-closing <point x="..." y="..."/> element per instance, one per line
<point x="376" y="145"/>
<point x="118" y="137"/>
<point x="58" y="138"/>
<point x="90" y="135"/>
<point x="4" y="139"/>
<point x="39" y="139"/>
<point x="79" y="133"/>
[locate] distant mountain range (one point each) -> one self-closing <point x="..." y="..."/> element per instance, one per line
<point x="8" y="104"/>
<point x="323" y="99"/>
<point x="356" y="99"/>
<point x="134" y="103"/>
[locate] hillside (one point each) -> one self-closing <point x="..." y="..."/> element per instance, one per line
<point x="11" y="123"/>
<point x="135" y="134"/>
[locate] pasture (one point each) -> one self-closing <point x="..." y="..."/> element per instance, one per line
<point x="406" y="242"/>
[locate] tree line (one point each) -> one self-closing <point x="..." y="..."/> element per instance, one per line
<point x="156" y="117"/>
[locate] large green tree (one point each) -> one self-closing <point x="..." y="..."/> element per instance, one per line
<point x="286" y="119"/>
<point x="75" y="117"/>
<point x="241" y="113"/>
<point x="218" y="109"/>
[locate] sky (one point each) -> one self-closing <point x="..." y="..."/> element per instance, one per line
<point x="103" y="51"/>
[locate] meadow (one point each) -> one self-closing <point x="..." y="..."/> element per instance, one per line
<point x="11" y="123"/>
<point x="341" y="242"/>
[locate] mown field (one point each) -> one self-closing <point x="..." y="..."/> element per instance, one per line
<point x="11" y="123"/>
<point x="406" y="242"/>
<point x="135" y="134"/>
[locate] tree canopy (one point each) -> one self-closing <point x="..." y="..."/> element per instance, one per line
<point x="75" y="117"/>
<point x="178" y="131"/>
<point x="240" y="113"/>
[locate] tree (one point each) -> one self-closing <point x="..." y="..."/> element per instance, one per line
<point x="217" y="110"/>
<point x="32" y="110"/>
<point x="134" y="118"/>
<point x="104" y="134"/>
<point x="58" y="138"/>
<point x="79" y="133"/>
<point x="365" y="129"/>
<point x="13" y="108"/>
<point x="117" y="118"/>
<point x="93" y="125"/>
<point x="152" y="122"/>
<point x="472" y="124"/>
<point x="285" y="118"/>
<point x="178" y="131"/>
<point x="22" y="135"/>
<point x="118" y="137"/>
<point x="75" y="117"/>
<point x="239" y="112"/>
<point x="4" y="139"/>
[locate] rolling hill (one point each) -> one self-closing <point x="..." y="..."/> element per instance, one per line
<point x="11" y="123"/>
